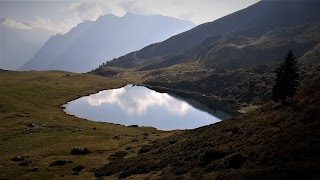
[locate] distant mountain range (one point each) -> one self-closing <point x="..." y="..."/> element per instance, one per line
<point x="245" y="26"/>
<point x="224" y="57"/>
<point x="19" y="42"/>
<point x="93" y="42"/>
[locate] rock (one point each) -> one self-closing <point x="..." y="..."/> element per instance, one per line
<point x="118" y="154"/>
<point x="59" y="163"/>
<point x="235" y="160"/>
<point x="24" y="163"/>
<point x="242" y="111"/>
<point x="80" y="151"/>
<point x="144" y="149"/>
<point x="116" y="137"/>
<point x="31" y="125"/>
<point x="34" y="169"/>
<point x="17" y="159"/>
<point x="78" y="168"/>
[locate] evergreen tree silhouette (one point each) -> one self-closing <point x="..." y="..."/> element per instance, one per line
<point x="287" y="80"/>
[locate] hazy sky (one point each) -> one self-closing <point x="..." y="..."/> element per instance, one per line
<point x="62" y="15"/>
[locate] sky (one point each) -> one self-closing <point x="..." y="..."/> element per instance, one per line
<point x="61" y="15"/>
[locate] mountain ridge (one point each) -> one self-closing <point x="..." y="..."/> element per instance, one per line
<point x="236" y="51"/>
<point x="266" y="15"/>
<point x="236" y="66"/>
<point x="19" y="37"/>
<point x="91" y="43"/>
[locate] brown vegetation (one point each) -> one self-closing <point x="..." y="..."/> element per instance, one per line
<point x="275" y="141"/>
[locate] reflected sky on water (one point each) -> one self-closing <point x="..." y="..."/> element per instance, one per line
<point x="136" y="105"/>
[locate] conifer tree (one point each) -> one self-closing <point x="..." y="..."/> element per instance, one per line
<point x="287" y="80"/>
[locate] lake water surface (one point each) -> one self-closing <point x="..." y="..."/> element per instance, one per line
<point x="136" y="105"/>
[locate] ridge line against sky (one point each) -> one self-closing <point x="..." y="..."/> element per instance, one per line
<point x="62" y="15"/>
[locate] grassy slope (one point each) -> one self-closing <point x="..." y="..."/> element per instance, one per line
<point x="233" y="66"/>
<point x="36" y="97"/>
<point x="242" y="49"/>
<point x="262" y="16"/>
<point x="272" y="142"/>
<point x="245" y="85"/>
<point x="252" y="85"/>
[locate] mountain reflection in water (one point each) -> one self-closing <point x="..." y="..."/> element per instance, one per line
<point x="136" y="105"/>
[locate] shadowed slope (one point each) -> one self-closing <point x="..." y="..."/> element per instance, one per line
<point x="271" y="142"/>
<point x="264" y="16"/>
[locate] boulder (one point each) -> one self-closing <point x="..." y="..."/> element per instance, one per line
<point x="59" y="163"/>
<point x="80" y="151"/>
<point x="78" y="168"/>
<point x="144" y="149"/>
<point x="18" y="158"/>
<point x="34" y="169"/>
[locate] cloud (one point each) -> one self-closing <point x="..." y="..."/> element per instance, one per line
<point x="41" y="22"/>
<point x="198" y="12"/>
<point x="86" y="10"/>
<point x="136" y="102"/>
<point x="61" y="27"/>
<point x="10" y="23"/>
<point x="79" y="12"/>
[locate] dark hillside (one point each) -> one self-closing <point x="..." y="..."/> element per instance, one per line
<point x="223" y="58"/>
<point x="267" y="15"/>
<point x="242" y="49"/>
<point x="239" y="68"/>
<point x="244" y="85"/>
<point x="273" y="142"/>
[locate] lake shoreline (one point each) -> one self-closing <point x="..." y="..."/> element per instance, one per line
<point x="213" y="102"/>
<point x="34" y="126"/>
<point x="146" y="107"/>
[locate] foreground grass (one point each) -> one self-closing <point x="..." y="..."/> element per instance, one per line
<point x="34" y="126"/>
<point x="271" y="142"/>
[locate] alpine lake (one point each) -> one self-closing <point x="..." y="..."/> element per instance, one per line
<point x="138" y="105"/>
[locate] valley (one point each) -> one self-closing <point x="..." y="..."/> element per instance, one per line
<point x="237" y="66"/>
<point x="33" y="126"/>
<point x="208" y="89"/>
